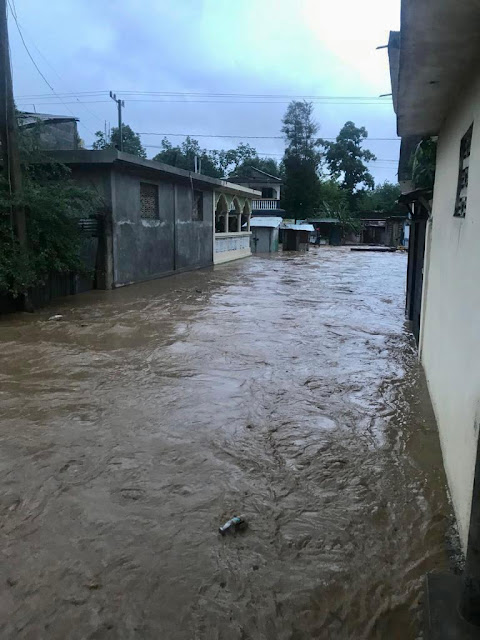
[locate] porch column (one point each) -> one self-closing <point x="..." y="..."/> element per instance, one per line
<point x="248" y="222"/>
<point x="226" y="221"/>
<point x="239" y="222"/>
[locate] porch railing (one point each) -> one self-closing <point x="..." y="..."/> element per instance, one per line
<point x="265" y="204"/>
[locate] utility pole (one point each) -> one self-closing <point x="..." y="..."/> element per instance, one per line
<point x="120" y="104"/>
<point x="8" y="132"/>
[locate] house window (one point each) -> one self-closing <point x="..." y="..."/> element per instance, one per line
<point x="462" y="188"/>
<point x="268" y="192"/>
<point x="197" y="210"/>
<point x="149" y="201"/>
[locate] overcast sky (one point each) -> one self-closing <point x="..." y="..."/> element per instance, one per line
<point x="246" y="47"/>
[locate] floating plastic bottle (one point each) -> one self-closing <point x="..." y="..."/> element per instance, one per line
<point x="237" y="523"/>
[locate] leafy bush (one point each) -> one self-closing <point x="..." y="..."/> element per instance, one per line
<point x="423" y="164"/>
<point x="53" y="206"/>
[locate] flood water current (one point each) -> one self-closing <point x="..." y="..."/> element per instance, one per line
<point x="284" y="388"/>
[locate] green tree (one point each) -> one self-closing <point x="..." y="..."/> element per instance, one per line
<point x="217" y="164"/>
<point x="331" y="194"/>
<point x="346" y="160"/>
<point x="183" y="157"/>
<point x="423" y="164"/>
<point x="269" y="165"/>
<point x="230" y="160"/>
<point x="341" y="212"/>
<point x="131" y="141"/>
<point x="301" y="160"/>
<point x="382" y="198"/>
<point x="53" y="206"/>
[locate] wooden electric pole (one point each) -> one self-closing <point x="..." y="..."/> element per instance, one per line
<point x="8" y="132"/>
<point x="120" y="104"/>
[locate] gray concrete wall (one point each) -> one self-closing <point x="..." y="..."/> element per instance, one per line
<point x="99" y="179"/>
<point x="54" y="136"/>
<point x="146" y="249"/>
<point x="142" y="249"/>
<point x="136" y="249"/>
<point x="193" y="237"/>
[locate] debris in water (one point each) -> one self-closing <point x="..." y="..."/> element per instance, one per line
<point x="93" y="586"/>
<point x="57" y="316"/>
<point x="237" y="523"/>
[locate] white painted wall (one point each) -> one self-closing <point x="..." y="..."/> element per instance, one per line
<point x="450" y="336"/>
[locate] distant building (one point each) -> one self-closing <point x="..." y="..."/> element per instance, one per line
<point x="327" y="230"/>
<point x="296" y="237"/>
<point x="269" y="186"/>
<point x="383" y="230"/>
<point x="156" y="219"/>
<point x="55" y="133"/>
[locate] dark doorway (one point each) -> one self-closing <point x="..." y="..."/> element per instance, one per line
<point x="416" y="254"/>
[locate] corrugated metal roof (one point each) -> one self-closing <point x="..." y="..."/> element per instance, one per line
<point x="298" y="227"/>
<point x="272" y="222"/>
<point x="324" y="220"/>
<point x="25" y="118"/>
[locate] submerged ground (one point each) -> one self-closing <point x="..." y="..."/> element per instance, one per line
<point x="285" y="388"/>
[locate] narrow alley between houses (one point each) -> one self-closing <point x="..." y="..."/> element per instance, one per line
<point x="285" y="388"/>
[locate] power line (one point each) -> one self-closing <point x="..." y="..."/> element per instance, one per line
<point x="214" y="135"/>
<point x="216" y="95"/>
<point x="264" y="153"/>
<point x="37" y="67"/>
<point x="27" y="50"/>
<point x="195" y="101"/>
<point x="95" y="115"/>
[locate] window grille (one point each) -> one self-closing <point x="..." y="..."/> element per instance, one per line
<point x="149" y="201"/>
<point x="197" y="211"/>
<point x="462" y="188"/>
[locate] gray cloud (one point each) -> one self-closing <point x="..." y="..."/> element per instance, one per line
<point x="246" y="47"/>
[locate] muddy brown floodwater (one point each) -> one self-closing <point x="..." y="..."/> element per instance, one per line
<point x="284" y="388"/>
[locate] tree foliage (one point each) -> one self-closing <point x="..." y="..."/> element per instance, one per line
<point x="131" y="141"/>
<point x="382" y="198"/>
<point x="345" y="159"/>
<point x="301" y="161"/>
<point x="423" y="164"/>
<point x="183" y="157"/>
<point x="217" y="164"/>
<point x="53" y="206"/>
<point x="269" y="165"/>
<point x="341" y="212"/>
<point x="331" y="194"/>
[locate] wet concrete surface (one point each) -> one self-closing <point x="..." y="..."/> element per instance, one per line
<point x="284" y="388"/>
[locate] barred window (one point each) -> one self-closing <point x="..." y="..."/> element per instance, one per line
<point x="149" y="201"/>
<point x="462" y="188"/>
<point x="197" y="210"/>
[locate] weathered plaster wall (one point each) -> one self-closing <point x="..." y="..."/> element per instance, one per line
<point x="55" y="136"/>
<point x="100" y="180"/>
<point x="142" y="249"/>
<point x="146" y="249"/>
<point x="193" y="237"/>
<point x="231" y="246"/>
<point x="450" y="336"/>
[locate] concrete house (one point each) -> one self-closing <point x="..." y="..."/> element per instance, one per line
<point x="436" y="92"/>
<point x="269" y="186"/>
<point x="54" y="132"/>
<point x="157" y="219"/>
